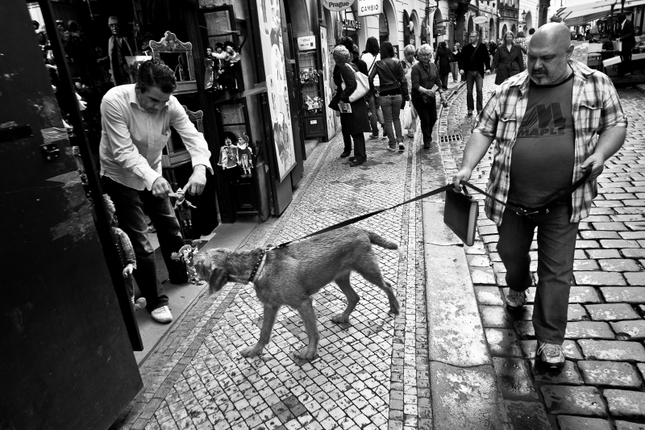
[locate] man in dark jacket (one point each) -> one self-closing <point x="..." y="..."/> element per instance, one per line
<point x="473" y="63"/>
<point x="628" y="42"/>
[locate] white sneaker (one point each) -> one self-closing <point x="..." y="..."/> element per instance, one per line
<point x="162" y="315"/>
<point x="551" y="354"/>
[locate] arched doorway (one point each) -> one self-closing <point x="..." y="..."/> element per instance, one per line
<point x="438" y="28"/>
<point x="491" y="30"/>
<point x="470" y="28"/>
<point x="529" y="22"/>
<point x="503" y="33"/>
<point x="514" y="30"/>
<point x="406" y="28"/>
<point x="416" y="29"/>
<point x="387" y="24"/>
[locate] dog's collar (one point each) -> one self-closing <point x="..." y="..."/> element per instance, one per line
<point x="258" y="266"/>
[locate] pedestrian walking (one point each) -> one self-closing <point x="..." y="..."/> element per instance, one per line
<point x="409" y="116"/>
<point x="393" y="93"/>
<point x="425" y="84"/>
<point x="628" y="42"/>
<point x="353" y="115"/>
<point x="473" y="64"/>
<point x="136" y="120"/>
<point x="454" y="64"/>
<point x="370" y="56"/>
<point x="443" y="58"/>
<point x="551" y="126"/>
<point x="508" y="60"/>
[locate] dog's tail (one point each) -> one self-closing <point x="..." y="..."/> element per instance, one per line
<point x="381" y="241"/>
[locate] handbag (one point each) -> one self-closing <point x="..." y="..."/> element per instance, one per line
<point x="362" y="85"/>
<point x="460" y="214"/>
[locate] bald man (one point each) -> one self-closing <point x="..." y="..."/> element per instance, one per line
<point x="551" y="124"/>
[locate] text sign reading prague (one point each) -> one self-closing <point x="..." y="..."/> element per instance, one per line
<point x="370" y="7"/>
<point x="337" y="5"/>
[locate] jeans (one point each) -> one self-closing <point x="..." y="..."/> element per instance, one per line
<point x="130" y="206"/>
<point x="474" y="78"/>
<point x="556" y="241"/>
<point x="454" y="68"/>
<point x="427" y="113"/>
<point x="376" y="116"/>
<point x="391" y="107"/>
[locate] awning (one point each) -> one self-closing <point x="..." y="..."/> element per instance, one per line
<point x="584" y="13"/>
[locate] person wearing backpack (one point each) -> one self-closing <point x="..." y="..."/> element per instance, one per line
<point x="393" y="93"/>
<point x="370" y="56"/>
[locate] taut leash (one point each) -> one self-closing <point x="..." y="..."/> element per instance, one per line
<point x="555" y="198"/>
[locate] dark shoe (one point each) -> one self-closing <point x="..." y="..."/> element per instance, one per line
<point x="426" y="145"/>
<point x="470" y="113"/>
<point x="374" y="135"/>
<point x="345" y="154"/>
<point x="357" y="161"/>
<point x="401" y="147"/>
<point x="515" y="300"/>
<point x="550" y="354"/>
<point x="391" y="147"/>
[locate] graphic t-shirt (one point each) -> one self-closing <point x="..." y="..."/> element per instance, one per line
<point x="543" y="155"/>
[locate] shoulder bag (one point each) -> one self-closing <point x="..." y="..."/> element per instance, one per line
<point x="362" y="85"/>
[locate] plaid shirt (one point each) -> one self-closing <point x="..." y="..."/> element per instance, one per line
<point x="596" y="107"/>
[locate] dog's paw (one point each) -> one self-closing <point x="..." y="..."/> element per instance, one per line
<point x="394" y="310"/>
<point x="304" y="354"/>
<point x="340" y="319"/>
<point x="252" y="351"/>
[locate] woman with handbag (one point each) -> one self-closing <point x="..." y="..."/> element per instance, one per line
<point x="393" y="93"/>
<point x="370" y="56"/>
<point x="353" y="108"/>
<point x="508" y="59"/>
<point x="425" y="83"/>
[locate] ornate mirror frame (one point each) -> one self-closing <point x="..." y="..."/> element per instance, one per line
<point x="169" y="44"/>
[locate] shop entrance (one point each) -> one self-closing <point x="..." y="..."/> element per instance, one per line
<point x="67" y="359"/>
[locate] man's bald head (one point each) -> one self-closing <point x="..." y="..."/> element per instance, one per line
<point x="548" y="54"/>
<point x="554" y="34"/>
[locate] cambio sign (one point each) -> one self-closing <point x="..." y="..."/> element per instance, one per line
<point x="370" y="7"/>
<point x="337" y="5"/>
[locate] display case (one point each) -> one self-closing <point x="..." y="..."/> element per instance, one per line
<point x="312" y="99"/>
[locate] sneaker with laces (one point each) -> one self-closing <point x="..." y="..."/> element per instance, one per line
<point x="551" y="354"/>
<point x="162" y="315"/>
<point x="391" y="147"/>
<point x="515" y="299"/>
<point x="401" y="147"/>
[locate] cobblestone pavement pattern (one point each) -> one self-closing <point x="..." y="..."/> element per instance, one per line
<point x="601" y="386"/>
<point x="371" y="374"/>
<point x="375" y="372"/>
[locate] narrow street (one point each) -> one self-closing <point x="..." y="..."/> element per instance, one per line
<point x="381" y="372"/>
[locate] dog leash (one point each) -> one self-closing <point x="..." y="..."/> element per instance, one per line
<point x="521" y="211"/>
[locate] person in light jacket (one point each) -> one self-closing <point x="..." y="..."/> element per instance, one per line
<point x="508" y="59"/>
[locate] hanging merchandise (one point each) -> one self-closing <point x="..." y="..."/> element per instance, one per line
<point x="228" y="154"/>
<point x="244" y="155"/>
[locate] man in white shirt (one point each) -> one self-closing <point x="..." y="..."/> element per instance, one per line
<point x="136" y="120"/>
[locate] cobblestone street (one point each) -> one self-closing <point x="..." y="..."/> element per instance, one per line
<point x="377" y="372"/>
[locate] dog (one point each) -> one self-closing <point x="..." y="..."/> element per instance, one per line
<point x="290" y="275"/>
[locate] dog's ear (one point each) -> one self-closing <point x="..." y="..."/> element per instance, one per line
<point x="216" y="281"/>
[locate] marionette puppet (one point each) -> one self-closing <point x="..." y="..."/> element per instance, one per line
<point x="244" y="156"/>
<point x="228" y="157"/>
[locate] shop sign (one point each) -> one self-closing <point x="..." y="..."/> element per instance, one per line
<point x="480" y="20"/>
<point x="370" y="7"/>
<point x="350" y="24"/>
<point x="337" y="5"/>
<point x="306" y="43"/>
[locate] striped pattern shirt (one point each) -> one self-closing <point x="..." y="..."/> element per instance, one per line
<point x="596" y="107"/>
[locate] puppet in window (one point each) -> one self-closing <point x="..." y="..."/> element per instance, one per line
<point x="228" y="157"/>
<point x="244" y="155"/>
